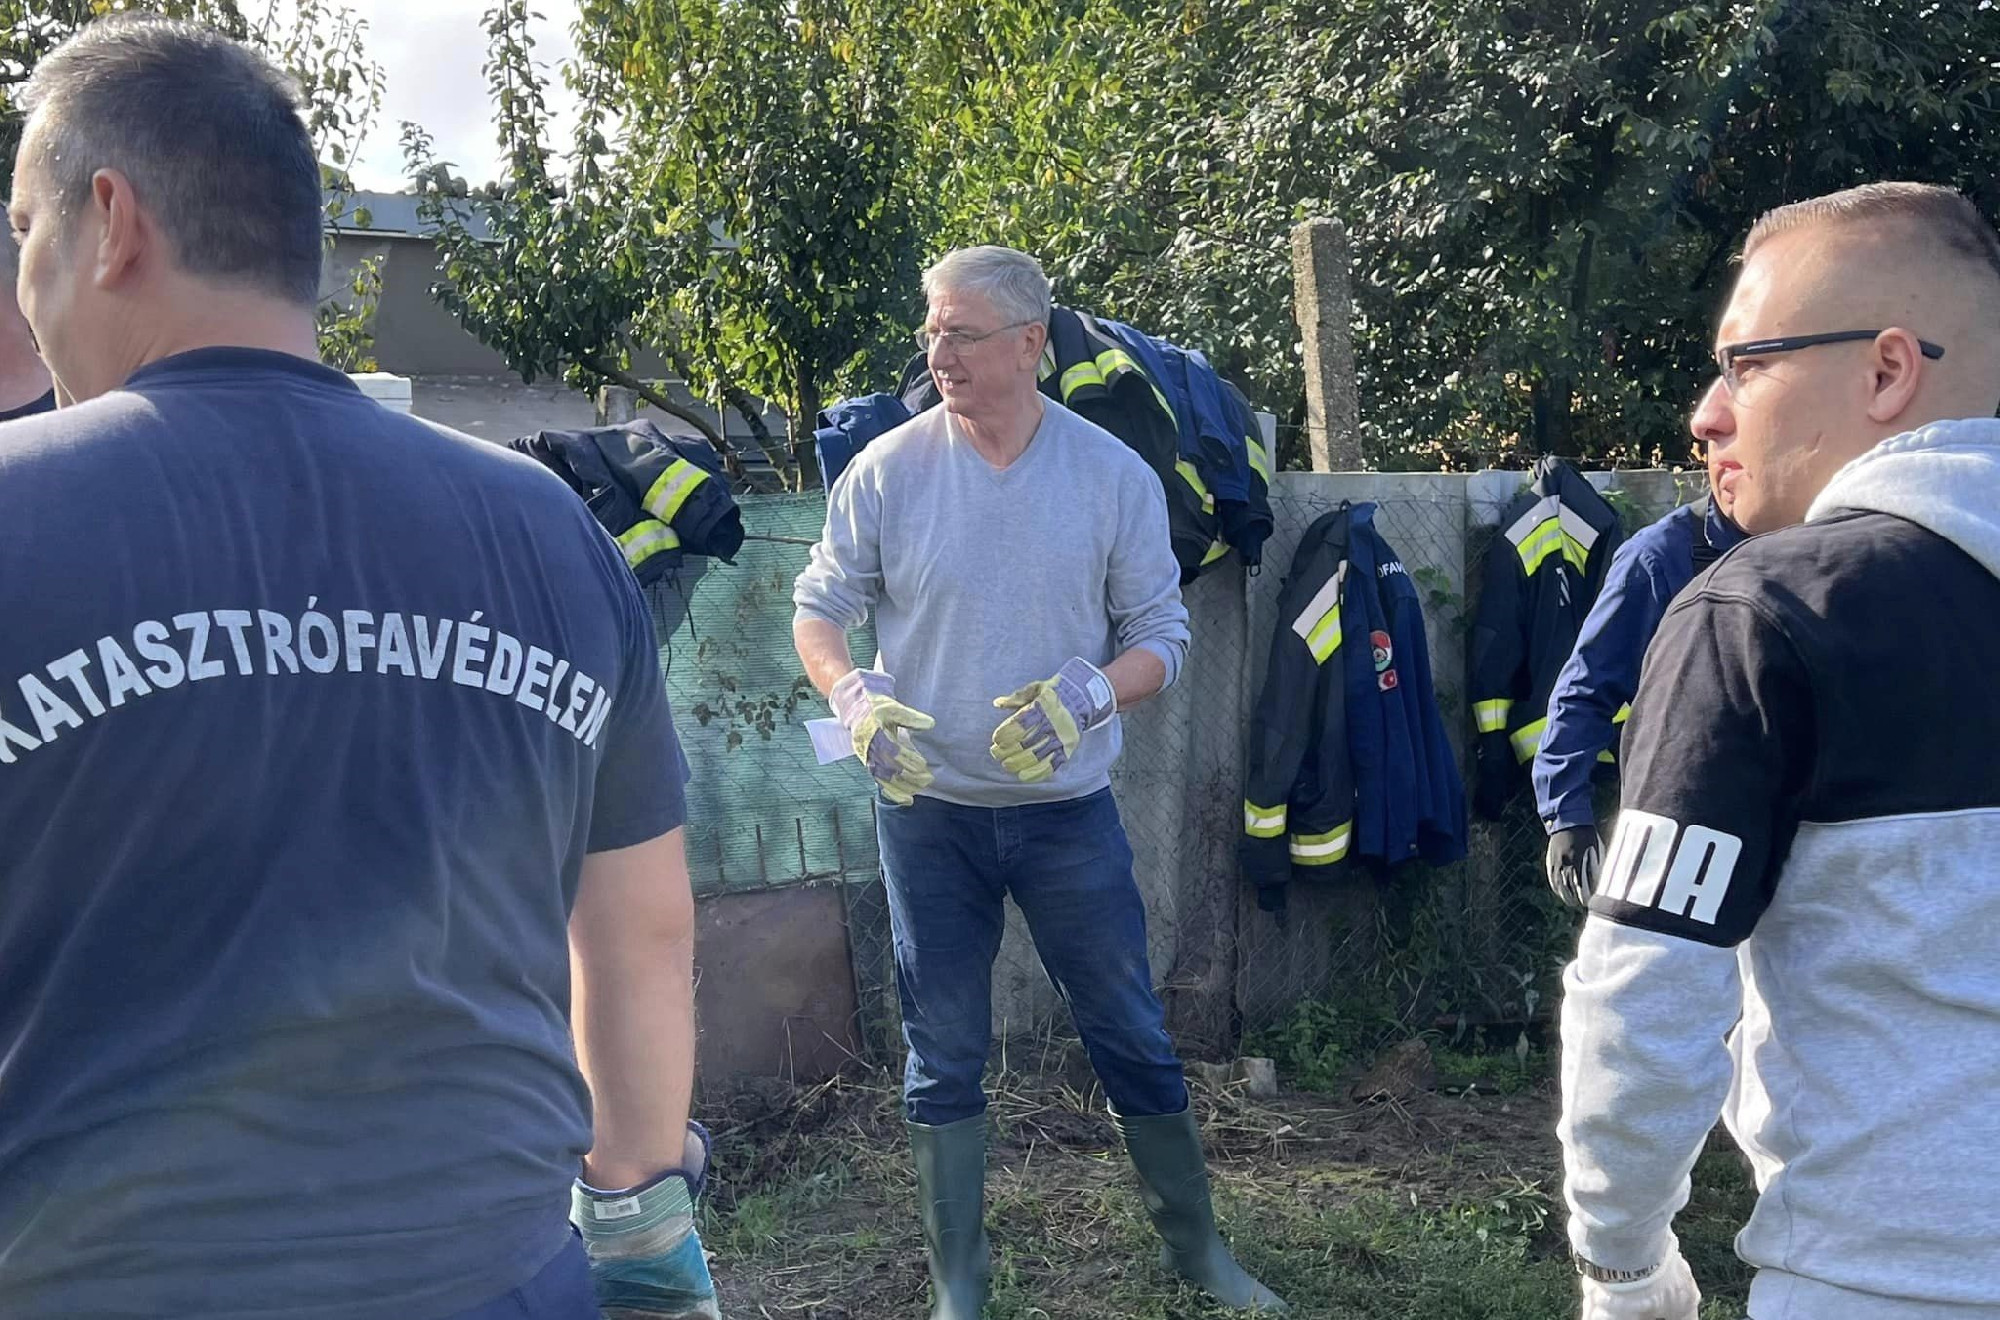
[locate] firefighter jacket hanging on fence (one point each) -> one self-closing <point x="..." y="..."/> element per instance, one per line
<point x="660" y="496"/>
<point x="1541" y="575"/>
<point x="1088" y="371"/>
<point x="1218" y="435"/>
<point x="1347" y="755"/>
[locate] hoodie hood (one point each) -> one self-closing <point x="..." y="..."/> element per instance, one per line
<point x="1944" y="477"/>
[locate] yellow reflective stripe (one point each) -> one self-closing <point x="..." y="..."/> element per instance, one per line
<point x="1262" y="822"/>
<point x="1324" y="639"/>
<point x="1193" y="478"/>
<point x="1546" y="539"/>
<point x="644" y="539"/>
<point x="1550" y="537"/>
<point x="1527" y="739"/>
<point x="1260" y="458"/>
<point x="1624" y="713"/>
<point x="1607" y="757"/>
<point x="1321" y="849"/>
<point x="666" y="495"/>
<point x="1114" y="360"/>
<point x="1215" y="552"/>
<point x="1491" y="716"/>
<point x="1078" y="376"/>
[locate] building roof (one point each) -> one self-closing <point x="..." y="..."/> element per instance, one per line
<point x="394" y="215"/>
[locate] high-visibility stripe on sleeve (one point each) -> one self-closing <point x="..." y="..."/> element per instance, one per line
<point x="1321" y="849"/>
<point x="1624" y="713"/>
<point x="1527" y="739"/>
<point x="1215" y="552"/>
<point x="1608" y="757"/>
<point x="1260" y="458"/>
<point x="1080" y="375"/>
<point x="1491" y="716"/>
<point x="1263" y="822"/>
<point x="665" y="496"/>
<point x="1192" y="477"/>
<point x="646" y="538"/>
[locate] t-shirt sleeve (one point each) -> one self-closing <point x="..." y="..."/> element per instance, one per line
<point x="641" y="787"/>
<point x="1717" y="759"/>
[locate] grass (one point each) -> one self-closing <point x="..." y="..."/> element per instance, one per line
<point x="1446" y="1207"/>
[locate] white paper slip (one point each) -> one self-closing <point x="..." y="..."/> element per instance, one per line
<point x="831" y="741"/>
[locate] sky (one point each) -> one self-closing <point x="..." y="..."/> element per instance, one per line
<point x="431" y="52"/>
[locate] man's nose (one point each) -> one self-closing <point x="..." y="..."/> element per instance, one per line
<point x="1714" y="419"/>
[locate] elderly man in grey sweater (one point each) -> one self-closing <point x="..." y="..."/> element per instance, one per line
<point x="1017" y="563"/>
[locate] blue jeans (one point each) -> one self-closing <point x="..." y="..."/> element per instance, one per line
<point x="562" y="1291"/>
<point x="1069" y="867"/>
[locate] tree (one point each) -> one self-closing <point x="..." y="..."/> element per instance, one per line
<point x="560" y="273"/>
<point x="1542" y="199"/>
<point x="320" y="43"/>
<point x="769" y="142"/>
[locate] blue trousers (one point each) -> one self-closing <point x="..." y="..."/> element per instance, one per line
<point x="1068" y="865"/>
<point x="562" y="1291"/>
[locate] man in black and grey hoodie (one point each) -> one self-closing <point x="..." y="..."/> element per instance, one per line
<point x="1798" y="925"/>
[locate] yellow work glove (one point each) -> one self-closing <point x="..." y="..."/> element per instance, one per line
<point x="880" y="726"/>
<point x="1049" y="720"/>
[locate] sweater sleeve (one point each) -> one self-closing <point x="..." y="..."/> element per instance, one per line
<point x="1719" y="752"/>
<point x="1143" y="586"/>
<point x="841" y="582"/>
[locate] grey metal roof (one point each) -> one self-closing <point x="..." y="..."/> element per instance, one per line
<point x="394" y="215"/>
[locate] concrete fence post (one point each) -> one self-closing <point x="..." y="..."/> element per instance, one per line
<point x="1323" y="303"/>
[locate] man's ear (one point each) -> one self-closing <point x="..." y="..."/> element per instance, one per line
<point x="1037" y="338"/>
<point x="125" y="232"/>
<point x="1898" y="368"/>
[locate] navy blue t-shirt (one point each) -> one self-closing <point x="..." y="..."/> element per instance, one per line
<point x="309" y="712"/>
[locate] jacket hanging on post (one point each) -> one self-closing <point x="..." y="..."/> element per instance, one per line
<point x="1347" y="749"/>
<point x="1541" y="575"/>
<point x="660" y="496"/>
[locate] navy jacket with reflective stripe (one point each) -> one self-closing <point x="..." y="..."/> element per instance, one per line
<point x="1347" y="751"/>
<point x="1541" y="576"/>
<point x="1594" y="690"/>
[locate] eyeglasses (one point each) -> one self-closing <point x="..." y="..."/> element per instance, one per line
<point x="1726" y="356"/>
<point x="959" y="340"/>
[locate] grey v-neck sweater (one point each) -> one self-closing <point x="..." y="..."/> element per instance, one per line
<point x="983" y="579"/>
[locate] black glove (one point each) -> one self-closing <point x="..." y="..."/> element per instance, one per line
<point x="1572" y="864"/>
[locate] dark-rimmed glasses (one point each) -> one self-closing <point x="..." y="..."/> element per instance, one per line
<point x="1726" y="356"/>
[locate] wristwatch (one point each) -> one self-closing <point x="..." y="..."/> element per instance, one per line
<point x="1603" y="1274"/>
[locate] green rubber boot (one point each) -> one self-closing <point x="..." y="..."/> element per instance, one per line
<point x="1173" y="1181"/>
<point x="951" y="1197"/>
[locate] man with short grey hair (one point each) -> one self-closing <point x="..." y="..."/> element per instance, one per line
<point x="1016" y="560"/>
<point x="25" y="385"/>
<point x="328" y="766"/>
<point x="1795" y="924"/>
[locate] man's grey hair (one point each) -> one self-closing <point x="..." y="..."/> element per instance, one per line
<point x="1012" y="281"/>
<point x="1939" y="216"/>
<point x="208" y="132"/>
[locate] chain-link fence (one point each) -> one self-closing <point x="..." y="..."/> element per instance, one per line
<point x="1473" y="943"/>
